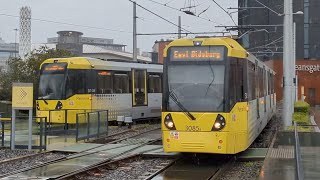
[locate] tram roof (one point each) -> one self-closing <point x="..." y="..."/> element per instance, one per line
<point x="93" y="63"/>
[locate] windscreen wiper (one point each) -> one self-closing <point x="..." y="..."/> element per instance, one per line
<point x="43" y="100"/>
<point x="174" y="98"/>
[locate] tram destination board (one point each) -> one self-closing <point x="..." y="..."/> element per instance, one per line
<point x="197" y="53"/>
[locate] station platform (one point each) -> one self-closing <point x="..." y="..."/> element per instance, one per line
<point x="280" y="161"/>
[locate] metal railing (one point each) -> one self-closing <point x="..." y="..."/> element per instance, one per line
<point x="39" y="135"/>
<point x="65" y="127"/>
<point x="91" y="124"/>
<point x="3" y="124"/>
<point x="297" y="154"/>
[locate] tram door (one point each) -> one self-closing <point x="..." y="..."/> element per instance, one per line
<point x="139" y="87"/>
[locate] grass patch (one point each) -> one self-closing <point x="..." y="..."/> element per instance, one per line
<point x="301" y="118"/>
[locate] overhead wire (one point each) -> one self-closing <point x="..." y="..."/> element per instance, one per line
<point x="70" y="24"/>
<point x="280" y="39"/>
<point x="197" y="16"/>
<point x="159" y="16"/>
<point x="225" y="11"/>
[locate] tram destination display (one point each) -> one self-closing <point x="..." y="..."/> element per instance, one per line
<point x="197" y="53"/>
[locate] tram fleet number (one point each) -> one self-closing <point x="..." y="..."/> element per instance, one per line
<point x="193" y="128"/>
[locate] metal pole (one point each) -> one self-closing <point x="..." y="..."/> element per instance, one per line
<point x="13" y="129"/>
<point x="30" y="130"/>
<point x="179" y="27"/>
<point x="134" y="31"/>
<point x="295" y="92"/>
<point x="15" y="43"/>
<point x="297" y="153"/>
<point x="287" y="56"/>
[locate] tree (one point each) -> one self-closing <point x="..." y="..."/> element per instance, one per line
<point x="27" y="71"/>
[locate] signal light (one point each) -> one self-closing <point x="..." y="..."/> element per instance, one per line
<point x="168" y="122"/>
<point x="219" y="124"/>
<point x="197" y="43"/>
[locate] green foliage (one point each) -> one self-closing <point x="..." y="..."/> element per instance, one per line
<point x="301" y="118"/>
<point x="300" y="106"/>
<point x="26" y="71"/>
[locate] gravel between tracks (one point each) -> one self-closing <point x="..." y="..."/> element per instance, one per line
<point x="11" y="166"/>
<point x="9" y="154"/>
<point x="243" y="171"/>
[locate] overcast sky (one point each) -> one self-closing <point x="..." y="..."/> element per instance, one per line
<point x="115" y="15"/>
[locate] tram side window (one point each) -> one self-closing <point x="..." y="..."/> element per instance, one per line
<point x="272" y="83"/>
<point x="75" y="82"/>
<point x="236" y="88"/>
<point x="261" y="84"/>
<point x="104" y="82"/>
<point x="121" y="83"/>
<point x="155" y="85"/>
<point x="269" y="83"/>
<point x="251" y="81"/>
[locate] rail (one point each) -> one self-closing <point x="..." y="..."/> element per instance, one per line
<point x="297" y="153"/>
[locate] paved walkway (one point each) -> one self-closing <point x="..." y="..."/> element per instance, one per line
<point x="280" y="161"/>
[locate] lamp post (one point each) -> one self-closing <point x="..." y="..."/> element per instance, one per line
<point x="288" y="57"/>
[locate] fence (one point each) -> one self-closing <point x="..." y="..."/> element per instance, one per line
<point x="91" y="124"/>
<point x="39" y="134"/>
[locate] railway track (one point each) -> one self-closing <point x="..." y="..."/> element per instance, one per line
<point x="97" y="153"/>
<point x="133" y="167"/>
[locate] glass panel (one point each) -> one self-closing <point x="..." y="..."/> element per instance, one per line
<point x="197" y="87"/>
<point x="103" y="122"/>
<point x="93" y="124"/>
<point x="82" y="125"/>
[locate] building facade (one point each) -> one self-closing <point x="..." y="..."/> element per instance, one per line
<point x="7" y="50"/>
<point x="74" y="41"/>
<point x="261" y="32"/>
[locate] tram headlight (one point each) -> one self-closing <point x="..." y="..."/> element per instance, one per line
<point x="219" y="124"/>
<point x="168" y="122"/>
<point x="59" y="105"/>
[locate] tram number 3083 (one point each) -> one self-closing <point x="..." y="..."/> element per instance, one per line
<point x="193" y="128"/>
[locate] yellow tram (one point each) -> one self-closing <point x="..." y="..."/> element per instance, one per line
<point x="80" y="84"/>
<point x="217" y="97"/>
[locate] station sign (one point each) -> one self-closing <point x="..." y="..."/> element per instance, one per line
<point x="308" y="68"/>
<point x="22" y="96"/>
